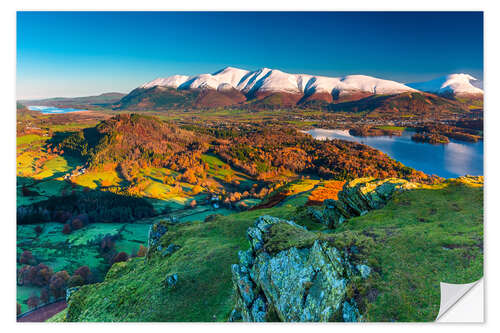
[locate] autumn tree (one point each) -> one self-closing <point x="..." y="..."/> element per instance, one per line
<point x="27" y="258"/>
<point x="142" y="251"/>
<point x="84" y="272"/>
<point x="33" y="301"/>
<point x="121" y="256"/>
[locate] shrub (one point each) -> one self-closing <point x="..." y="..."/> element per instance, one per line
<point x="196" y="190"/>
<point x="84" y="272"/>
<point x="142" y="251"/>
<point x="66" y="229"/>
<point x="33" y="301"/>
<point x="27" y="258"/>
<point x="44" y="295"/>
<point x="58" y="283"/>
<point x="38" y="275"/>
<point x="75" y="281"/>
<point x="38" y="229"/>
<point x="121" y="256"/>
<point x="76" y="224"/>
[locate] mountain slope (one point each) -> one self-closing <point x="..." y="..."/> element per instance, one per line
<point x="414" y="103"/>
<point x="420" y="238"/>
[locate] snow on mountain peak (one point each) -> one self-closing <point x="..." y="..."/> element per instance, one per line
<point x="273" y="80"/>
<point x="173" y="81"/>
<point x="453" y="83"/>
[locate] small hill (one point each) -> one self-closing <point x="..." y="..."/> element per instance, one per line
<point x="102" y="99"/>
<point x="128" y="139"/>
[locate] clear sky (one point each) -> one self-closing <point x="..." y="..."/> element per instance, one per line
<point x="85" y="53"/>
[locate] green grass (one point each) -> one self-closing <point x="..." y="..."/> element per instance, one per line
<point x="68" y="252"/>
<point x="134" y="291"/>
<point x="23" y="293"/>
<point x="58" y="318"/>
<point x="30" y="138"/>
<point x="392" y="128"/>
<point x="419" y="239"/>
<point x="71" y="126"/>
<point x="423" y="237"/>
<point x="95" y="179"/>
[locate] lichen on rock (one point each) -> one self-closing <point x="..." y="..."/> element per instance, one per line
<point x="302" y="279"/>
<point x="358" y="197"/>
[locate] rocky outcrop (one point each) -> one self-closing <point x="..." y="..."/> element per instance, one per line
<point x="156" y="231"/>
<point x="358" y="197"/>
<point x="302" y="278"/>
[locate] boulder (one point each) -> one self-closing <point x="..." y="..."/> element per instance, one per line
<point x="359" y="197"/>
<point x="171" y="280"/>
<point x="156" y="231"/>
<point x="70" y="291"/>
<point x="295" y="284"/>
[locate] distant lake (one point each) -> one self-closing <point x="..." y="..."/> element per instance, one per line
<point x="52" y="109"/>
<point x="455" y="159"/>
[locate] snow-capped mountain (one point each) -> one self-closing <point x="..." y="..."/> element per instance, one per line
<point x="273" y="80"/>
<point x="455" y="84"/>
<point x="270" y="88"/>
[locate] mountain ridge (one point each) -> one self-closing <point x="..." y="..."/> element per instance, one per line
<point x="268" y="87"/>
<point x="267" y="79"/>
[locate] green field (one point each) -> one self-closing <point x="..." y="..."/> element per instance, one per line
<point x="68" y="252"/>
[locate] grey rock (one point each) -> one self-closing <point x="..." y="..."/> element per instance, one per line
<point x="171" y="280"/>
<point x="350" y="312"/>
<point x="246" y="258"/>
<point x="360" y="196"/>
<point x="308" y="284"/>
<point x="70" y="291"/>
<point x="364" y="270"/>
<point x="235" y="316"/>
<point x="156" y="231"/>
<point x="259" y="310"/>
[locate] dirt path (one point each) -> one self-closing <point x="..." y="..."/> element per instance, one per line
<point x="44" y="313"/>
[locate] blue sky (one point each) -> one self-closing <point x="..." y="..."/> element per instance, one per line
<point x="84" y="53"/>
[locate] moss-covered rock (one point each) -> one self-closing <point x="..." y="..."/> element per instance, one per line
<point x="291" y="274"/>
<point x="360" y="196"/>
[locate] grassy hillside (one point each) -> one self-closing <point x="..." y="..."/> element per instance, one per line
<point x="420" y="238"/>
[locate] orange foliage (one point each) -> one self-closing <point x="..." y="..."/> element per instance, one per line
<point x="328" y="191"/>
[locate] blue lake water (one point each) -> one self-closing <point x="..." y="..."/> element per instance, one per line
<point x="455" y="159"/>
<point x="52" y="109"/>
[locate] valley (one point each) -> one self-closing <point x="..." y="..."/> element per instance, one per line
<point x="94" y="185"/>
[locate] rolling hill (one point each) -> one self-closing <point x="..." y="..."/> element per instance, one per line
<point x="102" y="99"/>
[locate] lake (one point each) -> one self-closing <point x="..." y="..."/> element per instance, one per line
<point x="455" y="159"/>
<point x="52" y="109"/>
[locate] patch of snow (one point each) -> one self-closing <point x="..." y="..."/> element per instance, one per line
<point x="173" y="81"/>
